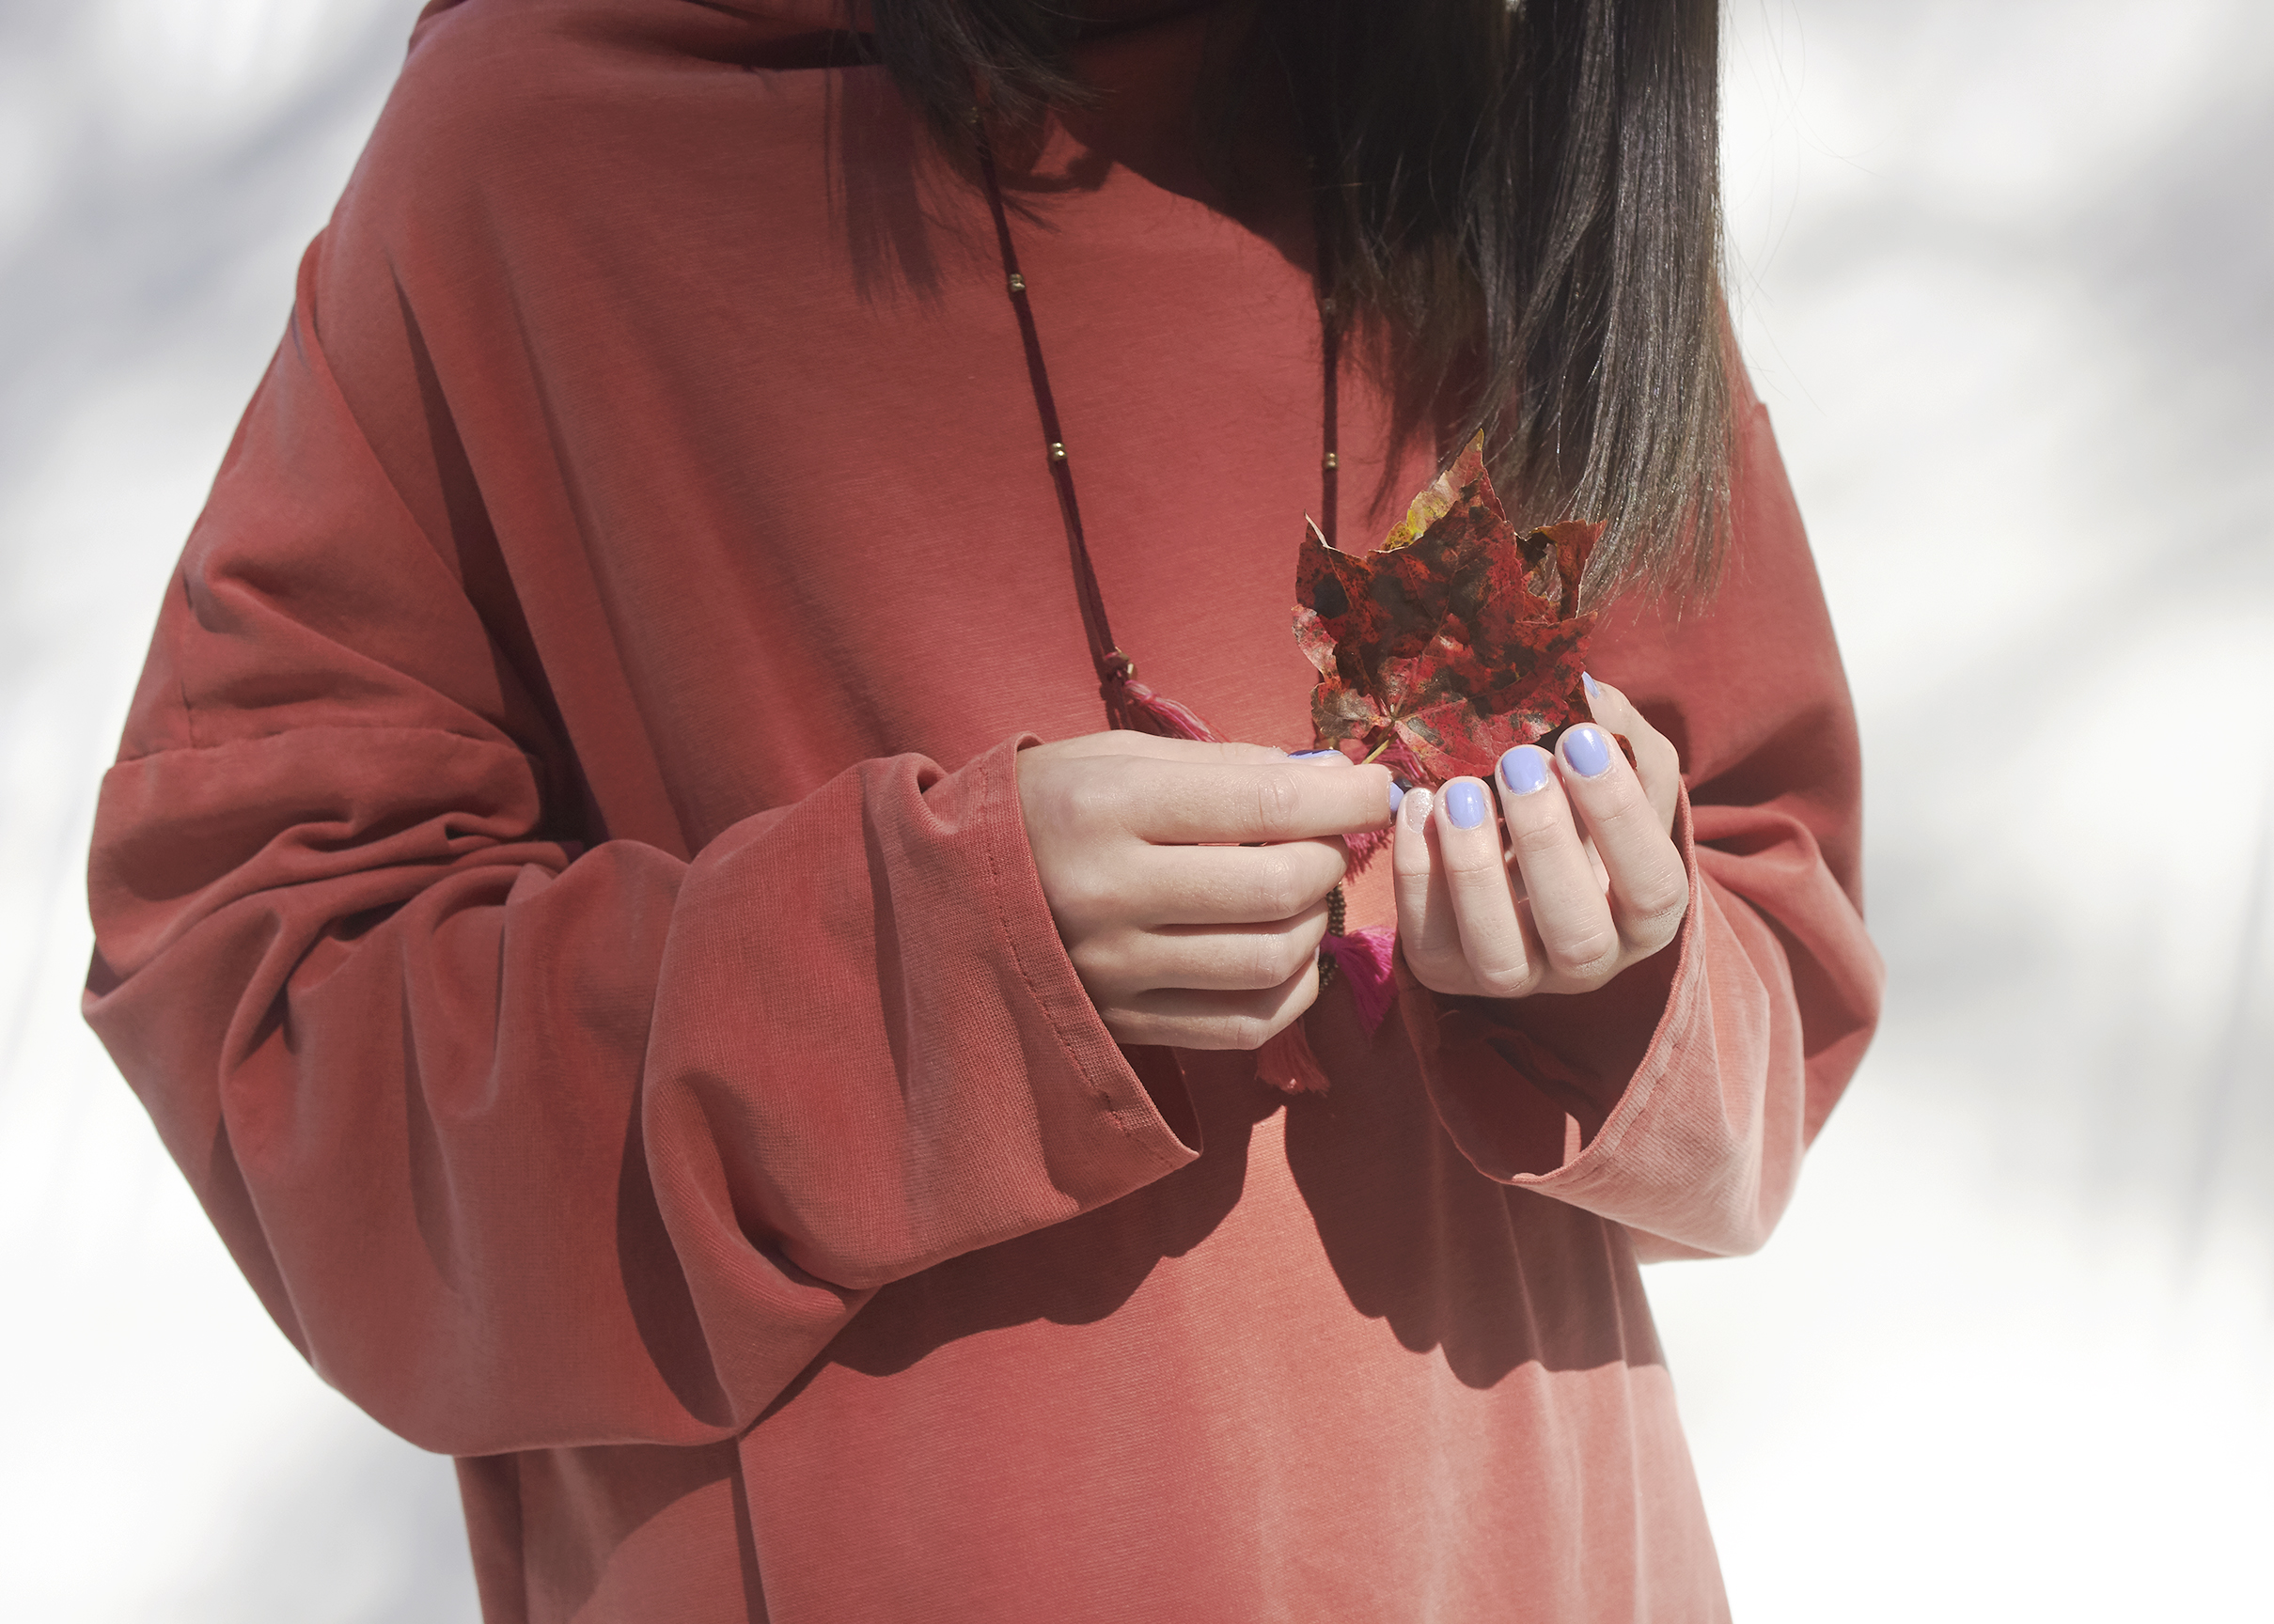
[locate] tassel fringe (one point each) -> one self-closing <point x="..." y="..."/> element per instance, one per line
<point x="1132" y="705"/>
<point x="1288" y="1064"/>
<point x="1364" y="846"/>
<point x="1364" y="959"/>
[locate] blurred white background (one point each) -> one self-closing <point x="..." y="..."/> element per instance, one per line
<point x="2005" y="275"/>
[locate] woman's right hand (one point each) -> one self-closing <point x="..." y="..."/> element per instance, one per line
<point x="1188" y="881"/>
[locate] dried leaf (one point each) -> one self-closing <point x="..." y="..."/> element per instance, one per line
<point x="1452" y="642"/>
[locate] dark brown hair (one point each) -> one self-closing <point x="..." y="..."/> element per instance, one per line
<point x="1525" y="197"/>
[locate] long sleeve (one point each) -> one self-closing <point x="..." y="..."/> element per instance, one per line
<point x="1678" y="1099"/>
<point x="526" y="1145"/>
<point x="563" y="900"/>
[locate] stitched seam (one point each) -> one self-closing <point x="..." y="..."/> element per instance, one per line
<point x="1098" y="1094"/>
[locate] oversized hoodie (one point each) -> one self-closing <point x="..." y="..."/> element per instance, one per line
<point x="563" y="898"/>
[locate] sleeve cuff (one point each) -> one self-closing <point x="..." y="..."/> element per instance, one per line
<point x="1538" y="1091"/>
<point x="1139" y="1091"/>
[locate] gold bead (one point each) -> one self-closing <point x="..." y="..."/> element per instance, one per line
<point x="1332" y="461"/>
<point x="1018" y="283"/>
<point x="1058" y="452"/>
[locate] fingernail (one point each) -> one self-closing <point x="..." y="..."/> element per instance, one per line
<point x="1418" y="803"/>
<point x="1465" y="802"/>
<point x="1586" y="750"/>
<point x="1397" y="794"/>
<point x="1523" y="769"/>
<point x="1589" y="683"/>
<point x="1316" y="755"/>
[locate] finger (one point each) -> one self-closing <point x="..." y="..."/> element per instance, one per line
<point x="1429" y="933"/>
<point x="1148" y="746"/>
<point x="1655" y="757"/>
<point x="1227" y="884"/>
<point x="1188" y="1018"/>
<point x="1649" y="887"/>
<point x="1575" y="931"/>
<point x="1476" y="879"/>
<point x="1215" y="958"/>
<point x="1178" y="802"/>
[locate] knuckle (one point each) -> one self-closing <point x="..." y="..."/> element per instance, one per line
<point x="1502" y="980"/>
<point x="1278" y="798"/>
<point x="1651" y="933"/>
<point x="1297" y="949"/>
<point x="1435" y="976"/>
<point x="1467" y="859"/>
<point x="1080" y="898"/>
<point x="1246" y="1031"/>
<point x="1538" y="836"/>
<point x="1089" y="800"/>
<point x="1589" y="960"/>
<point x="1281" y="887"/>
<point x="1659" y="906"/>
<point x="1093" y="963"/>
<point x="1622" y="808"/>
<point x="1271" y="959"/>
<point x="1432" y="964"/>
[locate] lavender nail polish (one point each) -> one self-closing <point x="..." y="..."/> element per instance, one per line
<point x="1588" y="751"/>
<point x="1523" y="769"/>
<point x="1589" y="683"/>
<point x="1465" y="802"/>
<point x="1397" y="796"/>
<point x="1313" y="754"/>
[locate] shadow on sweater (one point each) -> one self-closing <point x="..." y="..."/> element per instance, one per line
<point x="1494" y="1277"/>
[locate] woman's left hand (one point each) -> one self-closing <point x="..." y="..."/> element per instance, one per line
<point x="1589" y="881"/>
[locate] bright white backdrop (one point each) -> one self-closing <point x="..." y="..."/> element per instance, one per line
<point x="2002" y="274"/>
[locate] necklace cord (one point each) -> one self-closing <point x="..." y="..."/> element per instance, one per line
<point x="1330" y="344"/>
<point x="1286" y="1061"/>
<point x="1105" y="653"/>
<point x="1115" y="669"/>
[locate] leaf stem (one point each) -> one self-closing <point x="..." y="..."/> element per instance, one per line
<point x="1388" y="741"/>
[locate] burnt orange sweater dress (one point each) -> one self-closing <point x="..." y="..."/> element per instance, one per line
<point x="563" y="899"/>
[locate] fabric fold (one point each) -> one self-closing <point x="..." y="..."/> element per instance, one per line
<point x="444" y="1088"/>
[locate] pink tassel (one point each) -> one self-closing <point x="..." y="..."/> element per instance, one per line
<point x="1132" y="705"/>
<point x="1288" y="1064"/>
<point x="1364" y="846"/>
<point x="1365" y="958"/>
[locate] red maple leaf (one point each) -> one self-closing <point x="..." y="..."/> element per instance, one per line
<point x="1452" y="642"/>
